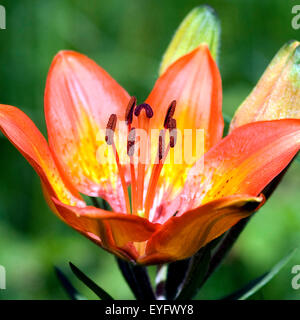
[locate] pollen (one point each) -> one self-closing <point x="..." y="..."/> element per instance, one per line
<point x="110" y="129"/>
<point x="170" y="113"/>
<point x="131" y="142"/>
<point x="173" y="132"/>
<point x="146" y="107"/>
<point x="161" y="144"/>
<point x="129" y="110"/>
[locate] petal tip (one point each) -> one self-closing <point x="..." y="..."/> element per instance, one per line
<point x="65" y="56"/>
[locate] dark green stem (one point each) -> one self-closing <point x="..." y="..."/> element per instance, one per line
<point x="137" y="279"/>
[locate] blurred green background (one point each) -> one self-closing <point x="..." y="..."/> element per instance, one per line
<point x="128" y="38"/>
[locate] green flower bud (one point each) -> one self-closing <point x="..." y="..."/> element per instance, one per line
<point x="277" y="94"/>
<point x="201" y="25"/>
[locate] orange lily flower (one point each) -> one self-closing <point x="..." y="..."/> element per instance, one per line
<point x="173" y="209"/>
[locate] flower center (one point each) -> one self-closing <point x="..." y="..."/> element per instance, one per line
<point x="142" y="197"/>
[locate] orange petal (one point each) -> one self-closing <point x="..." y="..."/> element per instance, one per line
<point x="114" y="229"/>
<point x="245" y="161"/>
<point x="194" y="82"/>
<point x="26" y="137"/>
<point x="98" y="232"/>
<point x="79" y="98"/>
<point x="181" y="237"/>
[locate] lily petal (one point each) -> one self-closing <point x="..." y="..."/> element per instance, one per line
<point x="194" y="82"/>
<point x="116" y="230"/>
<point x="26" y="137"/>
<point x="79" y="98"/>
<point x="244" y="162"/>
<point x="181" y="237"/>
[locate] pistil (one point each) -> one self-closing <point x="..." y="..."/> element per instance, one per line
<point x="130" y="150"/>
<point x="130" y="153"/>
<point x="143" y="124"/>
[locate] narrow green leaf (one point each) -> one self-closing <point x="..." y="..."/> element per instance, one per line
<point x="98" y="202"/>
<point x="67" y="285"/>
<point x="261" y="281"/>
<point x="201" y="25"/>
<point x="138" y="280"/>
<point x="224" y="246"/>
<point x="227" y="120"/>
<point x="176" y="275"/>
<point x="198" y="267"/>
<point x="90" y="283"/>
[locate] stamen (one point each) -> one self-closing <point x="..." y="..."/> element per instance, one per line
<point x="173" y="132"/>
<point x="129" y="110"/>
<point x="131" y="142"/>
<point x="109" y="138"/>
<point x="122" y="177"/>
<point x="110" y="129"/>
<point x="170" y="113"/>
<point x="144" y="151"/>
<point x="156" y="170"/>
<point x="161" y="144"/>
<point x="130" y="151"/>
<point x="148" y="110"/>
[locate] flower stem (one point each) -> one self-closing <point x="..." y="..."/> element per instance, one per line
<point x="137" y="279"/>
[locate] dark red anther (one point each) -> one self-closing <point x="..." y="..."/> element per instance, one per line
<point x="173" y="132"/>
<point x="148" y="110"/>
<point x="161" y="144"/>
<point x="170" y="113"/>
<point x="110" y="129"/>
<point x="131" y="142"/>
<point x="129" y="110"/>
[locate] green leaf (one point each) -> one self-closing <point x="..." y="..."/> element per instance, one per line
<point x="227" y="120"/>
<point x="201" y="25"/>
<point x="176" y="275"/>
<point x="90" y="283"/>
<point x="196" y="273"/>
<point x="258" y="283"/>
<point x="138" y="280"/>
<point x="67" y="285"/>
<point x="224" y="245"/>
<point x="97" y="202"/>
